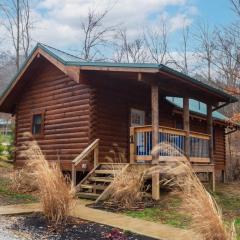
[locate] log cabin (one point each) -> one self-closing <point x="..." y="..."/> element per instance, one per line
<point x="87" y="114"/>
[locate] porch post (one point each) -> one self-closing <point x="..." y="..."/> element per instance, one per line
<point x="210" y="132"/>
<point x="186" y="126"/>
<point x="155" y="129"/>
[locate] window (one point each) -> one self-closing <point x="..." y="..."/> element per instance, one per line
<point x="37" y="124"/>
<point x="137" y="117"/>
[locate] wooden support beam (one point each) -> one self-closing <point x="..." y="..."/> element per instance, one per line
<point x="186" y="126"/>
<point x="210" y="130"/>
<point x="132" y="145"/>
<point x="140" y="78"/>
<point x="155" y="115"/>
<point x="212" y="180"/>
<point x="74" y="175"/>
<point x="155" y="130"/>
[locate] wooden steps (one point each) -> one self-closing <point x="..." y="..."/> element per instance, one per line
<point x="88" y="195"/>
<point x="101" y="179"/>
<point x="107" y="171"/>
<point x="95" y="185"/>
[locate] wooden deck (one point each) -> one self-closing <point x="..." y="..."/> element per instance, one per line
<point x="172" y="143"/>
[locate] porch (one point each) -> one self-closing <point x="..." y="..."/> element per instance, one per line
<point x="134" y="116"/>
<point x="141" y="144"/>
<point x="117" y="99"/>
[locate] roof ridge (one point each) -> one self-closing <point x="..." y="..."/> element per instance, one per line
<point x="69" y="54"/>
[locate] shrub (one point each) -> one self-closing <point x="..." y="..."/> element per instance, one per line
<point x="55" y="192"/>
<point x="6" y="147"/>
<point x="22" y="181"/>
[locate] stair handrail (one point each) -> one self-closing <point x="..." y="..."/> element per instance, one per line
<point x="94" y="146"/>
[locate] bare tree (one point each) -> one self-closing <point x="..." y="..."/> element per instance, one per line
<point x="96" y="34"/>
<point x="120" y="46"/>
<point x="17" y="23"/>
<point x="236" y="6"/>
<point x="11" y="10"/>
<point x="129" y="50"/>
<point x="228" y="56"/>
<point x="156" y="40"/>
<point x="206" y="46"/>
<point x="26" y="26"/>
<point x="182" y="59"/>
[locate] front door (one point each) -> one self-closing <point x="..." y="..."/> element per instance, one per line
<point x="138" y="119"/>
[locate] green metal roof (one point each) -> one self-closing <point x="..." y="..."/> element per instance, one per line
<point x="60" y="55"/>
<point x="196" y="107"/>
<point x="70" y="60"/>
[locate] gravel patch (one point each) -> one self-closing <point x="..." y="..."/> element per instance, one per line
<point x="5" y="230"/>
<point x="35" y="227"/>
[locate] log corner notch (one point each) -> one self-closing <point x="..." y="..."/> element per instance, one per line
<point x="155" y="128"/>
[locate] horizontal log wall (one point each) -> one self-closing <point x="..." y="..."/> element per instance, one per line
<point x="67" y="115"/>
<point x="112" y="118"/>
<point x="114" y="100"/>
<point x="77" y="114"/>
<point x="219" y="151"/>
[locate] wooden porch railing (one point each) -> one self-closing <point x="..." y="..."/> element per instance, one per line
<point x="141" y="144"/>
<point x="94" y="146"/>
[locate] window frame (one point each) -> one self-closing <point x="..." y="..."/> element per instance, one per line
<point x="141" y="112"/>
<point x="42" y="113"/>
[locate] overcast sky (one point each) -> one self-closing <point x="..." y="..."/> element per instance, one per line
<point x="57" y="22"/>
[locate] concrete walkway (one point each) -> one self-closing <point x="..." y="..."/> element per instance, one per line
<point x="150" y="229"/>
<point x="20" y="209"/>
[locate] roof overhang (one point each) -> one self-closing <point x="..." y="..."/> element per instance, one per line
<point x="72" y="71"/>
<point x="170" y="82"/>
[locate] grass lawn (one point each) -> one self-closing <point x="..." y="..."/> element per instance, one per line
<point x="7" y="195"/>
<point x="228" y="197"/>
<point x="237" y="225"/>
<point x="5" y="165"/>
<point x="170" y="211"/>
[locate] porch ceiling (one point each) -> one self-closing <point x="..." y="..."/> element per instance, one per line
<point x="169" y="85"/>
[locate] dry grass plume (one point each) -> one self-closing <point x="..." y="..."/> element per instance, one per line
<point x="127" y="187"/>
<point x="55" y="192"/>
<point x="206" y="215"/>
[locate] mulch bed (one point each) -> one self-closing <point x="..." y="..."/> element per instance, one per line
<point x="117" y="207"/>
<point x="38" y="228"/>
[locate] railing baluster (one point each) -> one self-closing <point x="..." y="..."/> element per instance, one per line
<point x="145" y="143"/>
<point x="175" y="140"/>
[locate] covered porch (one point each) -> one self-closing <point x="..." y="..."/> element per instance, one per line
<point x="123" y="92"/>
<point x="195" y="146"/>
